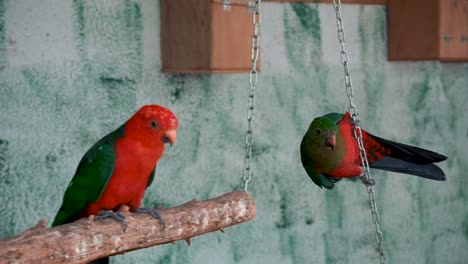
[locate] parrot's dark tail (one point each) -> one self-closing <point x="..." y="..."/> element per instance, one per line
<point x="409" y="160"/>
<point x="100" y="261"/>
<point x="428" y="171"/>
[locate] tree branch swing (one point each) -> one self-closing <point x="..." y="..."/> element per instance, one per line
<point x="86" y="240"/>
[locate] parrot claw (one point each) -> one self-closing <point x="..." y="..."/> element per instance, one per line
<point x="332" y="180"/>
<point x="153" y="212"/>
<point x="103" y="214"/>
<point x="367" y="182"/>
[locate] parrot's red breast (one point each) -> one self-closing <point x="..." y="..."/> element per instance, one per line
<point x="350" y="163"/>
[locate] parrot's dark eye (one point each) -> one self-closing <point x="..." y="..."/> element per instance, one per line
<point x="318" y="131"/>
<point x="154" y="124"/>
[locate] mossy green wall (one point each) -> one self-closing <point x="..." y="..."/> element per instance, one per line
<point x="71" y="71"/>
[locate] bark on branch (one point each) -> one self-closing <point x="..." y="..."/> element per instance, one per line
<point x="86" y="240"/>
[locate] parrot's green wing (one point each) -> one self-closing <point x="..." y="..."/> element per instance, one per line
<point x="90" y="180"/>
<point x="335" y="117"/>
<point x="319" y="179"/>
<point x="151" y="177"/>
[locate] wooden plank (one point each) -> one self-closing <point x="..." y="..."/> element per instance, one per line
<point x="185" y="34"/>
<point x="365" y="2"/>
<point x="453" y="30"/>
<point x="234" y="2"/>
<point x="199" y="36"/>
<point x="231" y="38"/>
<point x="205" y="70"/>
<point x="413" y="30"/>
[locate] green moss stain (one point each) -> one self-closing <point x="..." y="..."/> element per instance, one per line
<point x="79" y="28"/>
<point x="50" y="160"/>
<point x="293" y="245"/>
<point x="417" y="101"/>
<point x="7" y="182"/>
<point x="372" y="38"/>
<point x="308" y="17"/>
<point x="284" y="221"/>
<point x="177" y="81"/>
<point x="309" y="220"/>
<point x="121" y="95"/>
<point x="134" y="28"/>
<point x="78" y="7"/>
<point x="2" y="35"/>
<point x="303" y="39"/>
<point x="279" y="89"/>
<point x="3" y="161"/>
<point x="166" y="258"/>
<point x="5" y="179"/>
<point x="175" y="254"/>
<point x="428" y="124"/>
<point x="465" y="226"/>
<point x="334" y="208"/>
<point x="303" y="43"/>
<point x="42" y="93"/>
<point x="237" y="253"/>
<point x="181" y="253"/>
<point x="109" y="40"/>
<point x="151" y="201"/>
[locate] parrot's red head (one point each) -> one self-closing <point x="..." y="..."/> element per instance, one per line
<point x="153" y="124"/>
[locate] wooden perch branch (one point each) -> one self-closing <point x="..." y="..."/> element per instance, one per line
<point x="86" y="240"/>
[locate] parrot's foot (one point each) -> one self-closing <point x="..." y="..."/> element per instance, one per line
<point x="103" y="214"/>
<point x="332" y="180"/>
<point x="367" y="182"/>
<point x="153" y="212"/>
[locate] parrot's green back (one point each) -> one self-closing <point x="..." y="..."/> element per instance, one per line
<point x="93" y="173"/>
<point x="309" y="147"/>
<point x="334" y="117"/>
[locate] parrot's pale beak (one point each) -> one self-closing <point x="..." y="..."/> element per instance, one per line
<point x="331" y="140"/>
<point x="170" y="136"/>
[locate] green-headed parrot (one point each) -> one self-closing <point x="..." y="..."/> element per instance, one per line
<point x="330" y="152"/>
<point x="117" y="169"/>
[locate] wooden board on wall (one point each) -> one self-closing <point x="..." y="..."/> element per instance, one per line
<point x="199" y="36"/>
<point x="366" y="2"/>
<point x="412" y="31"/>
<point x="453" y="35"/>
<point x="428" y="30"/>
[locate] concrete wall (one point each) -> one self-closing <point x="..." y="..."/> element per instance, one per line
<point x="71" y="71"/>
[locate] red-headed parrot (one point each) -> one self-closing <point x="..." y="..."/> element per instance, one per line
<point x="117" y="169"/>
<point x="329" y="152"/>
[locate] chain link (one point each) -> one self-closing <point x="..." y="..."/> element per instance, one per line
<point x="357" y="132"/>
<point x="253" y="79"/>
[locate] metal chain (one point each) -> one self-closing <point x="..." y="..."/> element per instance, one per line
<point x="357" y="132"/>
<point x="253" y="78"/>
